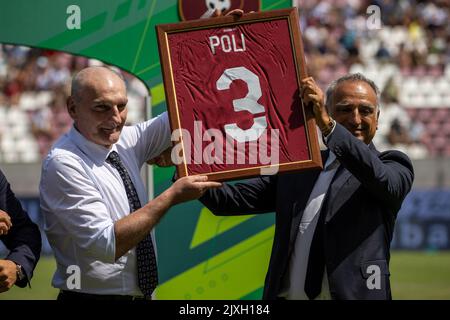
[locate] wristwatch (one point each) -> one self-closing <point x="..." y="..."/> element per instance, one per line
<point x="330" y="126"/>
<point x="19" y="272"/>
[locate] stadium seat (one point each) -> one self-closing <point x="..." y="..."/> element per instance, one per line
<point x="447" y="71"/>
<point x="426" y="85"/>
<point x="442" y="84"/>
<point x="29" y="157"/>
<point x="434" y="100"/>
<point x="11" y="157"/>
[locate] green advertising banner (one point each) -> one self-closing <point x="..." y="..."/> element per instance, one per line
<point x="200" y="256"/>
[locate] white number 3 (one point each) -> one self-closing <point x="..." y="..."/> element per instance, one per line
<point x="249" y="103"/>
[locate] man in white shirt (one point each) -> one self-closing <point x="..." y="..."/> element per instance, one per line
<point x="97" y="216"/>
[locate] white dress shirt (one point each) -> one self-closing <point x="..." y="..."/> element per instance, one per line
<point x="82" y="197"/>
<point x="294" y="280"/>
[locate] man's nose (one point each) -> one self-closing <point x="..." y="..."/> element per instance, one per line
<point x="355" y="118"/>
<point x="115" y="114"/>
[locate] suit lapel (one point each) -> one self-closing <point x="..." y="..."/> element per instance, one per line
<point x="341" y="189"/>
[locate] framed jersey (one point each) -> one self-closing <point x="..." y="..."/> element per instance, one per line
<point x="232" y="92"/>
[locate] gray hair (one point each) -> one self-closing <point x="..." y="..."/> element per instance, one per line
<point x="350" y="77"/>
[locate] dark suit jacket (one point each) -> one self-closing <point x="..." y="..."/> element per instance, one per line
<point x="361" y="207"/>
<point x="23" y="239"/>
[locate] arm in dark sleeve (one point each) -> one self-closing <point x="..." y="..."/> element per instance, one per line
<point x="388" y="176"/>
<point x="23" y="239"/>
<point x="250" y="197"/>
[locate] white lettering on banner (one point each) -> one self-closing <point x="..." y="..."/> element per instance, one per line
<point x="411" y="235"/>
<point x="437" y="236"/>
<point x="421" y="235"/>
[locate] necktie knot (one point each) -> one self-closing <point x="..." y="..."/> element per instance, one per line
<point x="114" y="159"/>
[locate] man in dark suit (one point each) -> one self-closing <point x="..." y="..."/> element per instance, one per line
<point x="22" y="238"/>
<point x="333" y="226"/>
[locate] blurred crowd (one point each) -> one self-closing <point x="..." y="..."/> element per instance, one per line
<point x="413" y="35"/>
<point x="406" y="52"/>
<point x="34" y="85"/>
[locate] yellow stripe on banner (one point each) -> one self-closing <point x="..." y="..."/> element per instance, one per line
<point x="158" y="95"/>
<point x="210" y="226"/>
<point x="230" y="275"/>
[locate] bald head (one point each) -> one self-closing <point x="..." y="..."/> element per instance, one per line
<point x="92" y="78"/>
<point x="98" y="105"/>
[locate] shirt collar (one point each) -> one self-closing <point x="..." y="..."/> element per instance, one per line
<point x="93" y="151"/>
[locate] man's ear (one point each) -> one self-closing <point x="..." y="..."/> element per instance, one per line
<point x="70" y="103"/>
<point x="378" y="115"/>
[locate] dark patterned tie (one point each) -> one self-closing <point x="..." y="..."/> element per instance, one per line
<point x="146" y="260"/>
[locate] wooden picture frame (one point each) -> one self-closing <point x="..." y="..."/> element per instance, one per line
<point x="233" y="82"/>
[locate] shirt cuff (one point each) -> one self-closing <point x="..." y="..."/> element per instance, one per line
<point x="325" y="138"/>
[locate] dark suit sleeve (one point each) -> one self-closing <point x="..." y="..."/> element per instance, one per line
<point x="388" y="176"/>
<point x="23" y="239"/>
<point x="250" y="197"/>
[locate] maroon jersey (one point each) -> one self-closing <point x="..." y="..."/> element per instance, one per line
<point x="237" y="82"/>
